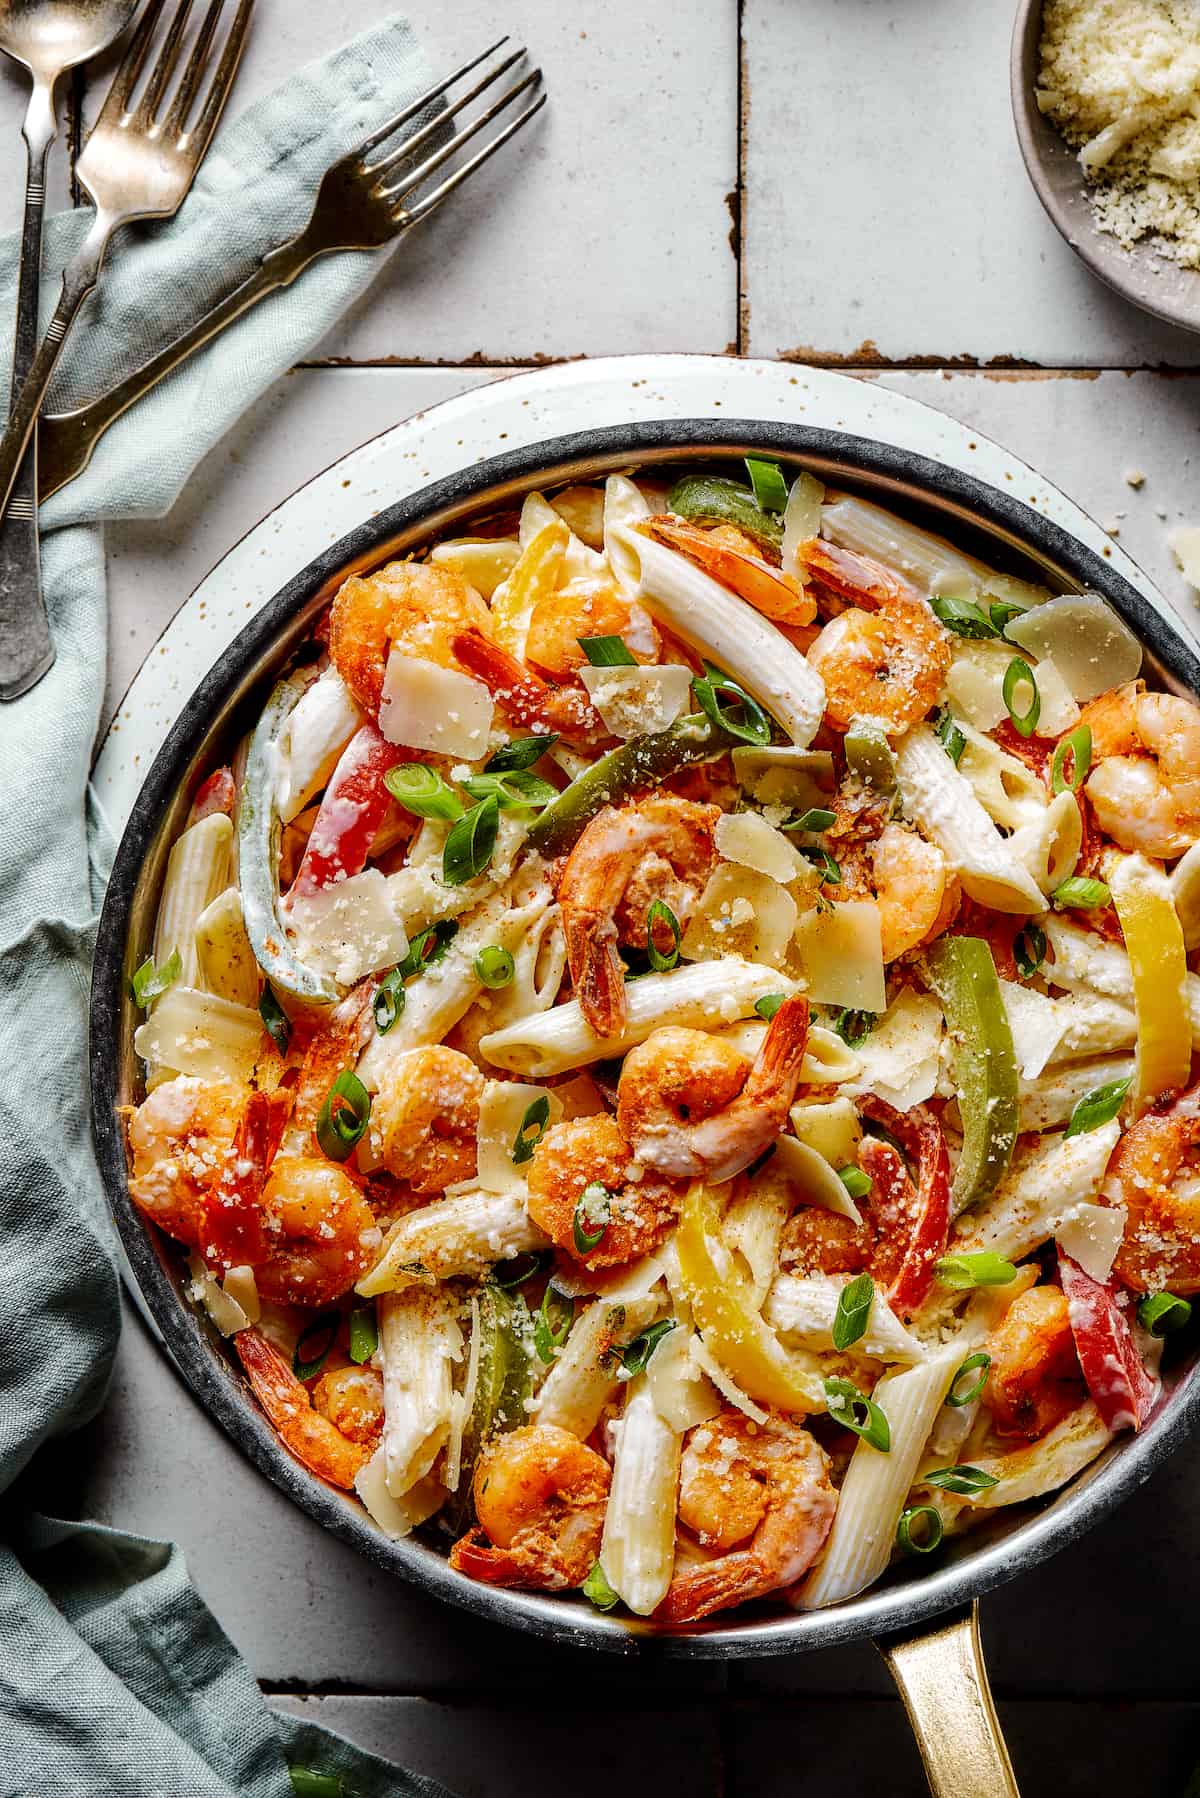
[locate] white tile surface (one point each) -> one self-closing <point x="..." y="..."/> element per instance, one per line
<point x="887" y="209"/>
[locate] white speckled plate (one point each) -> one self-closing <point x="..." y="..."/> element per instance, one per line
<point x="510" y="414"/>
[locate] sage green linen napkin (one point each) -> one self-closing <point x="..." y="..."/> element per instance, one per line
<point x="114" y="1677"/>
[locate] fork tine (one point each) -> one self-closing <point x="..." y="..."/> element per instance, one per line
<point x="164" y="68"/>
<point x="222" y="81"/>
<point x="181" y="105"/>
<point x="426" y="99"/>
<point x="423" y="170"/>
<point x="433" y="200"/>
<point x="440" y="119"/>
<point x="132" y="64"/>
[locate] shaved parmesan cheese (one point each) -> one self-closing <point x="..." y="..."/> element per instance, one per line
<point x="842" y="955"/>
<point x="706" y="1363"/>
<point x="831" y="1127"/>
<point x="349" y="928"/>
<point x="396" y="1517"/>
<point x="974" y="682"/>
<point x="501" y="1112"/>
<point x="483" y="563"/>
<point x="747" y="838"/>
<point x="1037" y="1024"/>
<point x="1185" y="546"/>
<point x="741" y="913"/>
<point x="224" y="1310"/>
<point x="900" y="1057"/>
<point x="426" y="706"/>
<point x="636" y="702"/>
<point x="198" y="1033"/>
<point x="803" y="1310"/>
<point x="811" y="1176"/>
<point x="240" y="1285"/>
<point x="1091" y="1235"/>
<point x="1091" y="648"/>
<point x="683" y="1393"/>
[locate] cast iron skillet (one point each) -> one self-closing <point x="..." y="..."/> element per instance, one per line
<point x="938" y="1666"/>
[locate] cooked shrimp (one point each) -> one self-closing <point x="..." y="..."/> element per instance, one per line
<point x="180" y="1136"/>
<point x="692" y="1105"/>
<point x="1153" y="1174"/>
<point x="321" y="1233"/>
<point x="596" y="609"/>
<point x="855" y="579"/>
<point x="311" y="1437"/>
<point x="660" y="848"/>
<point x="585" y="1152"/>
<point x="351" y="1398"/>
<point x="734" y="559"/>
<point x="916" y="892"/>
<point x="1145" y="783"/>
<point x="527" y="699"/>
<point x="416" y="607"/>
<point x="234" y="1222"/>
<point x="889" y="666"/>
<point x="761" y="1494"/>
<point x="425" y="1116"/>
<point x="540" y="1496"/>
<point x="333" y="1047"/>
<point x="1035" y="1378"/>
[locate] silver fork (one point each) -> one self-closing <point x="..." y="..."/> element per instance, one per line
<point x="138" y="162"/>
<point x="357" y="208"/>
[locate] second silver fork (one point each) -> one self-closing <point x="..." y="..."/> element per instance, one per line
<point x="360" y="205"/>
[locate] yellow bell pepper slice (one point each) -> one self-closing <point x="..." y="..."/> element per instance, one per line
<point x="723" y="1309"/>
<point x="534" y="578"/>
<point x="1158" y="961"/>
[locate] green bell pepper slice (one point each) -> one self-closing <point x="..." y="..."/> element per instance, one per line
<point x="629" y="769"/>
<point x="503" y="1384"/>
<point x="712" y="499"/>
<point x="869" y="755"/>
<point x="962" y="973"/>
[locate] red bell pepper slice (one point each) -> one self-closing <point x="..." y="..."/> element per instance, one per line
<point x="1116" y="1376"/>
<point x="351" y="812"/>
<point x="216" y="794"/>
<point x="927" y="1204"/>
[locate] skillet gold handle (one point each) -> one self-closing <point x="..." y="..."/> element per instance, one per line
<point x="944" y="1685"/>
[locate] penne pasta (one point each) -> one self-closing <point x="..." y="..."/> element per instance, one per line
<point x="1048" y="1101"/>
<point x="803" y="1310"/>
<point x="320" y="725"/>
<point x="1044" y="1184"/>
<point x="463" y="1235"/>
<point x="396" y="1517"/>
<point x="419" y="1338"/>
<point x="198" y="868"/>
<point x="1087" y="963"/>
<point x="586" y="1373"/>
<point x="638" y="1548"/>
<point x="942" y="802"/>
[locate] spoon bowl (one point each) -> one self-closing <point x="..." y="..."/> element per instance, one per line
<point x="50" y="36"/>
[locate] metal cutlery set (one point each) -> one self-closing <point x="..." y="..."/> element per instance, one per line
<point x="138" y="162"/>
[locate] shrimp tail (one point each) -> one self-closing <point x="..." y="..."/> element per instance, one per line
<point x="233" y="1232"/>
<point x="776" y="1070"/>
<point x="311" y="1438"/>
<point x="480" y="1559"/>
<point x="528" y="700"/>
<point x="859" y="580"/>
<point x="596" y="970"/>
<point x="713" y="1586"/>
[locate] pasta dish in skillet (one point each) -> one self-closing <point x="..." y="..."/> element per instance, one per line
<point x="670" y="1045"/>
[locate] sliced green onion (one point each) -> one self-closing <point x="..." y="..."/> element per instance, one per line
<point x="495" y="966"/>
<point x="830" y="867"/>
<point x="1161" y="1313"/>
<point x="854" y="1304"/>
<point x="521" y="1268"/>
<point x="389" y="1001"/>
<point x="962" y="616"/>
<point x="364" y="1334"/>
<point x="1018" y="674"/>
<point x="854" y="1027"/>
<point x="964" y="1480"/>
<point x="638" y="1350"/>
<point x="276" y="1022"/>
<point x="429" y="947"/>
<point x="857" y="1183"/>
<point x="770" y="488"/>
<point x="930" y="1523"/>
<point x="552" y="1323"/>
<point x="597" y="1590"/>
<point x="1081" y="893"/>
<point x="308" y="1783"/>
<point x="1098" y="1107"/>
<point x="950" y="737"/>
<point x="661" y="913"/>
<point x="1029" y="950"/>
<point x="1003" y="611"/>
<point x="593" y="1214"/>
<point x="745" y="719"/>
<point x="522" y="752"/>
<point x="313" y="1345"/>
<point x="422" y="791"/>
<point x="982" y="1267"/>
<point x="343" y="1117"/>
<point x="954" y="1397"/>
<point x="607" y="652"/>
<point x="532" y="1130"/>
<point x="1078" y="745"/>
<point x="514" y="791"/>
<point x="150" y="982"/>
<point x="815" y="818"/>
<point x="768" y="1005"/>
<point x="855" y="1411"/>
<point x="471" y="843"/>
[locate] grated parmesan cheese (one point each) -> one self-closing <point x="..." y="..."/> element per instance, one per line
<point x="1121" y="80"/>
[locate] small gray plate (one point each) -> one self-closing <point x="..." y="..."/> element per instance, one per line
<point x="1149" y="280"/>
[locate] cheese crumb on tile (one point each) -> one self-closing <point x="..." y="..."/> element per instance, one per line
<point x="1134" y="478"/>
<point x="1185" y="547"/>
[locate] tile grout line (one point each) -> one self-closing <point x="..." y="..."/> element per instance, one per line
<point x="990" y="371"/>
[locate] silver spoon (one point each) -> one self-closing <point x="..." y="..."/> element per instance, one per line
<point x="47" y="37"/>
